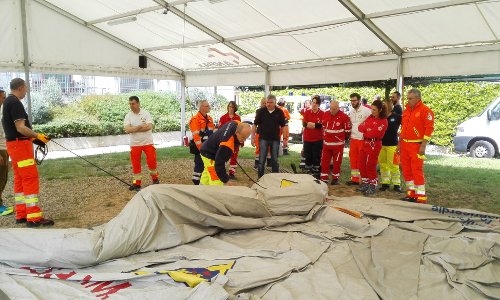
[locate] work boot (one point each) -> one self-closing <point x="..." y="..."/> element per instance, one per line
<point x="256" y="165"/>
<point x="232" y="177"/>
<point x="41" y="222"/>
<point x="397" y="188"/>
<point x="384" y="187"/>
<point x="285" y="152"/>
<point x="269" y="162"/>
<point x="20" y="221"/>
<point x="350" y="182"/>
<point x="156" y="181"/>
<point x="372" y="188"/>
<point x="134" y="187"/>
<point x="335" y="182"/>
<point x="409" y="199"/>
<point x="363" y="188"/>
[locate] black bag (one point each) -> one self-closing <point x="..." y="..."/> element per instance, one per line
<point x="192" y="147"/>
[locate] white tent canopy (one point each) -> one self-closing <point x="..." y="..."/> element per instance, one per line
<point x="252" y="42"/>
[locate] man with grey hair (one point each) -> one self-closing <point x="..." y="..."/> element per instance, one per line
<point x="269" y="120"/>
<point x="417" y="126"/>
<point x="201" y="126"/>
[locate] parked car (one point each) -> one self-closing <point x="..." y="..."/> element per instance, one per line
<point x="480" y="135"/>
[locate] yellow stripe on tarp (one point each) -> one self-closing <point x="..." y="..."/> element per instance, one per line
<point x="25" y="163"/>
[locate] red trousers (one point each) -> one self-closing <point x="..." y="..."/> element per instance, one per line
<point x="233" y="162"/>
<point x="368" y="158"/>
<point x="329" y="152"/>
<point x="135" y="158"/>
<point x="413" y="171"/>
<point x="354" y="149"/>
<point x="26" y="180"/>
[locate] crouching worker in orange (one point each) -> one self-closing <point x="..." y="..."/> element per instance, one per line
<point x="20" y="138"/>
<point x="139" y="124"/>
<point x="217" y="150"/>
<point x="416" y="130"/>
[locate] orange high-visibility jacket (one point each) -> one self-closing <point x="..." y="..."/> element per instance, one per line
<point x="417" y="123"/>
<point x="201" y="127"/>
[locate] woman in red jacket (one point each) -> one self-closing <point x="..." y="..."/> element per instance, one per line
<point x="373" y="129"/>
<point x="231" y="115"/>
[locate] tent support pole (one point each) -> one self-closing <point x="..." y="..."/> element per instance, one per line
<point x="26" y="57"/>
<point x="183" y="110"/>
<point x="399" y="83"/>
<point x="267" y="86"/>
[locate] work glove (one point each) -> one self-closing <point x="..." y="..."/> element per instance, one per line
<point x="42" y="137"/>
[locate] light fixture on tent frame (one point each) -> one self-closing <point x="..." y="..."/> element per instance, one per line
<point x="122" y="21"/>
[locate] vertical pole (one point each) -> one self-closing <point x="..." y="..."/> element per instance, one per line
<point x="399" y="82"/>
<point x="267" y="86"/>
<point x="183" y="109"/>
<point x="24" y="25"/>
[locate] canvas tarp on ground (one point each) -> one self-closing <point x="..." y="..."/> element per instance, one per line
<point x="278" y="241"/>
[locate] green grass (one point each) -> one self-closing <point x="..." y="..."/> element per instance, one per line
<point x="451" y="181"/>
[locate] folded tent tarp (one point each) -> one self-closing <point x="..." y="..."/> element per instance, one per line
<point x="276" y="242"/>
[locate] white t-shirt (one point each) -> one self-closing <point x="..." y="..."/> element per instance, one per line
<point x="357" y="117"/>
<point x="139" y="138"/>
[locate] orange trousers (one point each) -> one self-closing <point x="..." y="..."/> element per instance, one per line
<point x="413" y="171"/>
<point x="26" y="180"/>
<point x="354" y="150"/>
<point x="135" y="159"/>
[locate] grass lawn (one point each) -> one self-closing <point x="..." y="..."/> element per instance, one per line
<point x="451" y="181"/>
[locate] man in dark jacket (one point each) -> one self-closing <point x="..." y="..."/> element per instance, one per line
<point x="268" y="120"/>
<point x="217" y="150"/>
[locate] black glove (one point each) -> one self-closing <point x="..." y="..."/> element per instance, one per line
<point x="38" y="142"/>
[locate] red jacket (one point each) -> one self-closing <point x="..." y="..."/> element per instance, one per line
<point x="417" y="123"/>
<point x="337" y="128"/>
<point x="316" y="134"/>
<point x="373" y="128"/>
<point x="226" y="119"/>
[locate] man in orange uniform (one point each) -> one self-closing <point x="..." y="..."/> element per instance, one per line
<point x="19" y="136"/>
<point x="139" y="124"/>
<point x="219" y="148"/>
<point x="416" y="129"/>
<point x="337" y="128"/>
<point x="284" y="133"/>
<point x="201" y="126"/>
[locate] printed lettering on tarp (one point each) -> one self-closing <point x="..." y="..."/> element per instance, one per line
<point x="101" y="289"/>
<point x="468" y="218"/>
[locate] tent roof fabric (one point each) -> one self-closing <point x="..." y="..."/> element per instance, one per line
<point x="292" y="39"/>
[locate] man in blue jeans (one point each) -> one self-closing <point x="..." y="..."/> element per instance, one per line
<point x="269" y="120"/>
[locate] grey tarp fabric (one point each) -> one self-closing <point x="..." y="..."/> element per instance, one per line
<point x="276" y="242"/>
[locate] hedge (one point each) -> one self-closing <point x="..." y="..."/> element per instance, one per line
<point x="94" y="115"/>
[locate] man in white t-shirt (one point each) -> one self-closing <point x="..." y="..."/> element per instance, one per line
<point x="139" y="124"/>
<point x="357" y="114"/>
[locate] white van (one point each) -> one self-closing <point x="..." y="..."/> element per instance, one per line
<point x="480" y="135"/>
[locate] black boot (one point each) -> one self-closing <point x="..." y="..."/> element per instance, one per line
<point x="398" y="189"/>
<point x="372" y="188"/>
<point x="335" y="182"/>
<point x="384" y="187"/>
<point x="363" y="188"/>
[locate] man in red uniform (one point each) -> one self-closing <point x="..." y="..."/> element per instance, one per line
<point x="201" y="126"/>
<point x="337" y="129"/>
<point x="231" y="115"/>
<point x="218" y="149"/>
<point x="313" y="136"/>
<point x="416" y="130"/>
<point x="19" y="136"/>
<point x="139" y="124"/>
<point x="357" y="114"/>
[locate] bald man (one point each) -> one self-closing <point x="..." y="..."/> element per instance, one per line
<point x="217" y="150"/>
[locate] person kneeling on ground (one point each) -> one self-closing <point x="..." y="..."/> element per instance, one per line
<point x="219" y="148"/>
